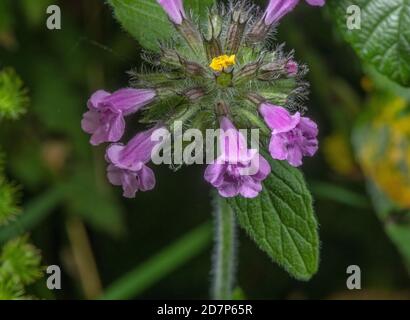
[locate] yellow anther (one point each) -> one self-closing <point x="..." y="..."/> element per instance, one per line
<point x="221" y="62"/>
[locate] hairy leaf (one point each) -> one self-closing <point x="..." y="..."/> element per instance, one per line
<point x="146" y="21"/>
<point x="384" y="37"/>
<point x="281" y="221"/>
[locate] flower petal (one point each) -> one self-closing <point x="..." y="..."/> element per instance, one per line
<point x="116" y="128"/>
<point x="277" y="147"/>
<point x="294" y="156"/>
<point x="174" y="10"/>
<point x="229" y="189"/>
<point x="309" y="128"/>
<point x="146" y="178"/>
<point x="130" y="184"/>
<point x="277" y="9"/>
<point x="264" y="169"/>
<point x="316" y="2"/>
<point x="214" y="174"/>
<point x="278" y="118"/>
<point x="90" y="121"/>
<point x="114" y="175"/>
<point x="129" y="100"/>
<point x="250" y="188"/>
<point x="97" y="98"/>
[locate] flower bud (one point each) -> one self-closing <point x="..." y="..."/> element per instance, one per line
<point x="192" y="36"/>
<point x="194" y="94"/>
<point x="174" y="9"/>
<point x="236" y="29"/>
<point x="191" y="68"/>
<point x="169" y="57"/>
<point x="247" y="72"/>
<point x="215" y="22"/>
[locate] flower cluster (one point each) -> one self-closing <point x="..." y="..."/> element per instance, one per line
<point x="224" y="74"/>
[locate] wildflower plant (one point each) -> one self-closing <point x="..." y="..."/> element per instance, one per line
<point x="225" y="73"/>
<point x="20" y="261"/>
<point x="13" y="103"/>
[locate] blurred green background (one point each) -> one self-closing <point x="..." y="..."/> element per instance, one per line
<point x="160" y="244"/>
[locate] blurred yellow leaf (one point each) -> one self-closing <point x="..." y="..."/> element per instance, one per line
<point x="383" y="149"/>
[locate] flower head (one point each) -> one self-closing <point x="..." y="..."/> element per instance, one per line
<point x="105" y="118"/>
<point x="212" y="74"/>
<point x="293" y="136"/>
<point x="174" y="9"/>
<point x="238" y="170"/>
<point x="127" y="164"/>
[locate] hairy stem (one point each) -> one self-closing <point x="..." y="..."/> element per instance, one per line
<point x="224" y="263"/>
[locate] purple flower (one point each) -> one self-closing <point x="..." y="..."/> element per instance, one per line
<point x="127" y="166"/>
<point x="174" y="9"/>
<point x="319" y="3"/>
<point x="293" y="136"/>
<point x="292" y="68"/>
<point x="105" y="118"/>
<point x="278" y="8"/>
<point x="237" y="170"/>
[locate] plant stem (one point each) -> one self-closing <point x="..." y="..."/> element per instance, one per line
<point x="224" y="263"/>
<point x="84" y="257"/>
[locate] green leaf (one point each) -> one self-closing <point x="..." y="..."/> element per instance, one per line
<point x="147" y="22"/>
<point x="281" y="221"/>
<point x="384" y="37"/>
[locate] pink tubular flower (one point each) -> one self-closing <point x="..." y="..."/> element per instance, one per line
<point x="105" y="118"/>
<point x="127" y="166"/>
<point x="278" y="8"/>
<point x="293" y="136"/>
<point x="174" y="9"/>
<point x="237" y="170"/>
